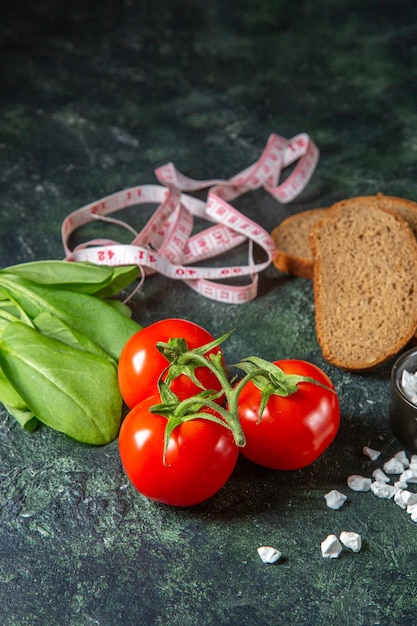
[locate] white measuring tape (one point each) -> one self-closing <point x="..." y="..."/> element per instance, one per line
<point x="166" y="243"/>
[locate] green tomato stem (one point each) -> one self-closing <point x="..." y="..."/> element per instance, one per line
<point x="229" y="415"/>
<point x="266" y="376"/>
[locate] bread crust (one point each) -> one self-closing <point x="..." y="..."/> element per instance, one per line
<point x="292" y="236"/>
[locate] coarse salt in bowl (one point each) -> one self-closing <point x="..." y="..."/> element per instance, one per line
<point x="403" y="399"/>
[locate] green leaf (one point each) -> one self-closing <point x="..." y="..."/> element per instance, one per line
<point x="10" y="311"/>
<point x="122" y="277"/>
<point x="84" y="277"/>
<point x="122" y="308"/>
<point x="71" y="391"/>
<point x="15" y="405"/>
<point x="24" y="417"/>
<point x="8" y="394"/>
<point x="89" y="315"/>
<point x="55" y="328"/>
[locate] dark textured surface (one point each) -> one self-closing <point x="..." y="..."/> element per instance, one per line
<point x="94" y="97"/>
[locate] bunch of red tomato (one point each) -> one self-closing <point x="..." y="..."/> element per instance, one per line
<point x="188" y="422"/>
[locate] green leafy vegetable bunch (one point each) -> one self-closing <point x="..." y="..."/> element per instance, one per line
<point x="61" y="334"/>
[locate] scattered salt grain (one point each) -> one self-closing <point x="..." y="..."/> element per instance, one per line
<point x="393" y="466"/>
<point x="359" y="483"/>
<point x="335" y="499"/>
<point x="412" y="512"/>
<point x="409" y="497"/>
<point x="402" y="457"/>
<point x="331" y="547"/>
<point x="268" y="554"/>
<point x="351" y="540"/>
<point x="382" y="490"/>
<point x="380" y="476"/>
<point x="398" y="498"/>
<point x="400" y="464"/>
<point x="412" y="509"/>
<point x="409" y="476"/>
<point x="372" y="454"/>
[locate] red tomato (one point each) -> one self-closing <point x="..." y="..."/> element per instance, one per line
<point x="200" y="458"/>
<point x="141" y="363"/>
<point x="294" y="430"/>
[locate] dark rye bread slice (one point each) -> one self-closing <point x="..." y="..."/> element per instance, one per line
<point x="365" y="285"/>
<point x="292" y="236"/>
<point x="293" y="253"/>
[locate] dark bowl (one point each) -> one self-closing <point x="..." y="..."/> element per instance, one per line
<point x="402" y="412"/>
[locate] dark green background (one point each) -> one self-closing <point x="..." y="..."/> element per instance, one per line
<point x="94" y="96"/>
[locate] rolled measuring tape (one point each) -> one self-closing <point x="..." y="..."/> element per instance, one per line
<point x="167" y="245"/>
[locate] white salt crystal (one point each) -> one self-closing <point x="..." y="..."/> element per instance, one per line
<point x="351" y="540"/>
<point x="398" y="498"/>
<point x="268" y="554"/>
<point x="331" y="547"/>
<point x="409" y="385"/>
<point x="409" y="497"/>
<point x="400" y="484"/>
<point x="359" y="483"/>
<point x="413" y="459"/>
<point x="335" y="499"/>
<point x="393" y="466"/>
<point x="380" y="476"/>
<point x="402" y="458"/>
<point x="409" y="476"/>
<point x="372" y="454"/>
<point x="411" y="509"/>
<point x="382" y="490"/>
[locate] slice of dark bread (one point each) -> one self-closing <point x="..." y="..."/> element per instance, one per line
<point x="292" y="241"/>
<point x="365" y="284"/>
<point x="292" y="236"/>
